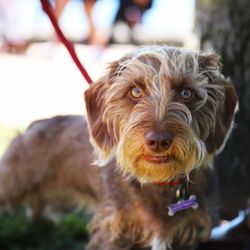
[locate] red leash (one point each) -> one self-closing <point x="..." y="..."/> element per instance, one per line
<point x="49" y="10"/>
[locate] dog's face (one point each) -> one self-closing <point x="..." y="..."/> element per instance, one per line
<point x="160" y="111"/>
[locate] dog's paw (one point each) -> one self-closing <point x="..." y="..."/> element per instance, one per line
<point x="101" y="241"/>
<point x="191" y="227"/>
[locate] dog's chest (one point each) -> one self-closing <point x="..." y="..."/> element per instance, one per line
<point x="149" y="207"/>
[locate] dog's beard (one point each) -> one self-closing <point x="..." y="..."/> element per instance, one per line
<point x="134" y="158"/>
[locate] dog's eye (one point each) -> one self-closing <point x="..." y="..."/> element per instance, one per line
<point x="136" y="92"/>
<point x="186" y="94"/>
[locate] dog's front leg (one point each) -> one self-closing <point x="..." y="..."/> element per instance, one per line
<point x="190" y="228"/>
<point x="114" y="229"/>
<point x="100" y="240"/>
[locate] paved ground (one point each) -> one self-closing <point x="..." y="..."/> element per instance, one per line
<point x="45" y="82"/>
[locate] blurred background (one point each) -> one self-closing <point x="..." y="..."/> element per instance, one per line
<point x="38" y="79"/>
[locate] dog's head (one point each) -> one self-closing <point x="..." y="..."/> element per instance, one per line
<point x="160" y="112"/>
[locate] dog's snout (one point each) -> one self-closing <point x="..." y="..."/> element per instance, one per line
<point x="158" y="141"/>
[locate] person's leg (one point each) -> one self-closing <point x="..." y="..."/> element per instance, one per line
<point x="88" y="6"/>
<point x="59" y="7"/>
<point x="58" y="10"/>
<point x="143" y="4"/>
<point x="96" y="37"/>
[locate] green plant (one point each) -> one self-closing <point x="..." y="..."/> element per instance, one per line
<point x="17" y="232"/>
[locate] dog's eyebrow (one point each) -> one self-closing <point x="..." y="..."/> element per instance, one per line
<point x="139" y="82"/>
<point x="179" y="83"/>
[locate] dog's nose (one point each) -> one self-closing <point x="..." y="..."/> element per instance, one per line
<point x="158" y="141"/>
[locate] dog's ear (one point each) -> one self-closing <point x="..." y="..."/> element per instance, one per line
<point x="95" y="96"/>
<point x="227" y="103"/>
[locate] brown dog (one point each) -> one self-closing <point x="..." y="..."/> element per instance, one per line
<point x="49" y="168"/>
<point x="157" y="118"/>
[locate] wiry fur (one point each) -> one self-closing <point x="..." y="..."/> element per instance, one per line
<point x="49" y="167"/>
<point x="134" y="208"/>
<point x="50" y="163"/>
<point x="163" y="72"/>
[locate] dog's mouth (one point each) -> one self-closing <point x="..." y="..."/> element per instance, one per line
<point x="158" y="159"/>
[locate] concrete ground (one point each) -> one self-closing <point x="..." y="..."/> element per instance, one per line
<point x="45" y="82"/>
